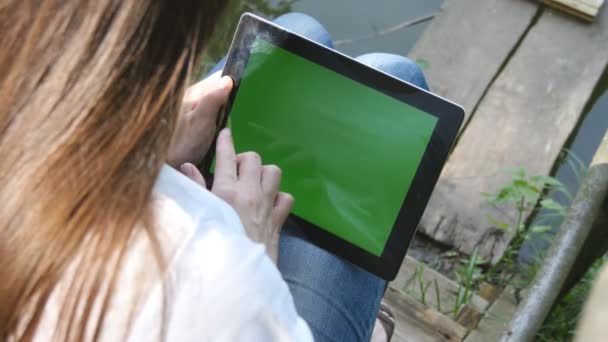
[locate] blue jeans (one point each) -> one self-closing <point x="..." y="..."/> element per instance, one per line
<point x="337" y="299"/>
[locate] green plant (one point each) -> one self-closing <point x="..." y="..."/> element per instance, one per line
<point x="437" y="295"/>
<point x="561" y="323"/>
<point x="522" y="194"/>
<point x="423" y="288"/>
<point x="467" y="277"/>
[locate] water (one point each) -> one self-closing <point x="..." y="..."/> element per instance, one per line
<point x="343" y="19"/>
<point x="587" y="136"/>
<point x="347" y="19"/>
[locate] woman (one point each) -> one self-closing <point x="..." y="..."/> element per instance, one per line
<point x="99" y="240"/>
<point x="339" y="301"/>
<point x="88" y="96"/>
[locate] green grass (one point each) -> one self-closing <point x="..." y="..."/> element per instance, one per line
<point x="561" y="322"/>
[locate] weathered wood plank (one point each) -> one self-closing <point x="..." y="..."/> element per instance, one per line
<point x="407" y="280"/>
<point x="524" y="120"/>
<point x="584" y="9"/>
<point x="601" y="155"/>
<point x="468" y="316"/>
<point x="466" y="44"/>
<point x="415" y="322"/>
<point x="496" y="319"/>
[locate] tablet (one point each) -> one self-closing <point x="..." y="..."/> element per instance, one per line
<point x="360" y="150"/>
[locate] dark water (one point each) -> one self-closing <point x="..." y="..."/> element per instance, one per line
<point x="344" y="19"/>
<point x="588" y="134"/>
<point x="348" y="19"/>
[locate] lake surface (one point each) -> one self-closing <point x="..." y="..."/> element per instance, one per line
<point x="347" y="19"/>
<point x="343" y="19"/>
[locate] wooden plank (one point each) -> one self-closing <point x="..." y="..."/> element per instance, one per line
<point x="415" y="322"/>
<point x="468" y="316"/>
<point x="523" y="121"/>
<point x="584" y="9"/>
<point x="601" y="155"/>
<point x="496" y="319"/>
<point x="464" y="47"/>
<point x="407" y="281"/>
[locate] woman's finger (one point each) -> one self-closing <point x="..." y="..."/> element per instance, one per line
<point x="271" y="179"/>
<point x="282" y="207"/>
<point x="193" y="173"/>
<point x="250" y="168"/>
<point x="195" y="92"/>
<point x="217" y="95"/>
<point x="225" y="159"/>
<point x="212" y="91"/>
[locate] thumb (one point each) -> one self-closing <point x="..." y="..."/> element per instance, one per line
<point x="215" y="95"/>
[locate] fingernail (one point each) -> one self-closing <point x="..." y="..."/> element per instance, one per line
<point x="226" y="131"/>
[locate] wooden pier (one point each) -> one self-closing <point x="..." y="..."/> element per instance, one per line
<point x="524" y="73"/>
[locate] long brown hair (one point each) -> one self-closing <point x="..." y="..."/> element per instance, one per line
<point x="89" y="92"/>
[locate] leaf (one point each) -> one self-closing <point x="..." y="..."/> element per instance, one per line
<point x="550" y="204"/>
<point x="501" y="225"/>
<point x="546" y="180"/>
<point x="541" y="229"/>
<point x="527" y="190"/>
<point x="521" y="228"/>
<point x="517" y="173"/>
<point x="508" y="193"/>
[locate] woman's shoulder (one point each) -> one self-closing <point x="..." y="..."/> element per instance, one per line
<point x="222" y="283"/>
<point x="200" y="232"/>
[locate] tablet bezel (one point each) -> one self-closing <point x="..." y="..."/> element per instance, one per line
<point x="449" y="115"/>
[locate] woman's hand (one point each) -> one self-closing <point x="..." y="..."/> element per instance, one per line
<point x="251" y="188"/>
<point x="196" y="124"/>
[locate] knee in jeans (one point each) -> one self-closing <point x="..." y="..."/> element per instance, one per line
<point x="398" y="66"/>
<point x="306" y="26"/>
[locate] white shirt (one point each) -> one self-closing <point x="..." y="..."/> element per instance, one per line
<point x="224" y="286"/>
<point x="221" y="285"/>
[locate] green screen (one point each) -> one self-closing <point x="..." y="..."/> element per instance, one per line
<point x="348" y="152"/>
